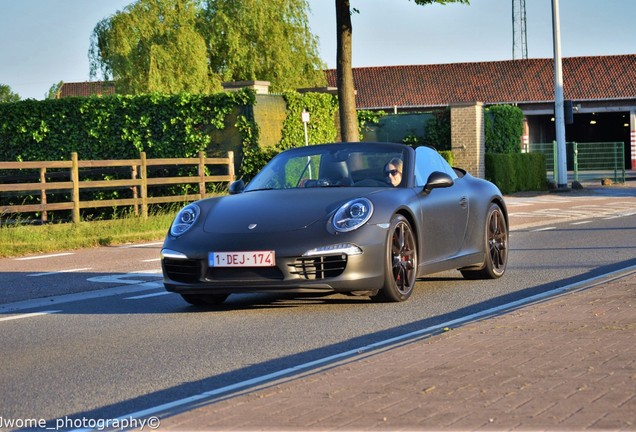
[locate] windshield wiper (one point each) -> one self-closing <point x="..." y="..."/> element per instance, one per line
<point x="260" y="189"/>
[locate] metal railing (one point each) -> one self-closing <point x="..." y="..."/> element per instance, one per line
<point x="590" y="160"/>
<point x="138" y="180"/>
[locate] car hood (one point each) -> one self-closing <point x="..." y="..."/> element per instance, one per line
<point x="275" y="210"/>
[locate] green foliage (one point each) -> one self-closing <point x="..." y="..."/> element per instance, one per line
<point x="438" y="130"/>
<point x="174" y="46"/>
<point x="366" y="117"/>
<point x="412" y="140"/>
<point x="6" y="95"/>
<point x="449" y="156"/>
<point x="23" y="238"/>
<point x="503" y="126"/>
<point x="54" y="91"/>
<point x="321" y="129"/>
<point x="516" y="172"/>
<point x="115" y="127"/>
<point x="153" y="46"/>
<point x="262" y="40"/>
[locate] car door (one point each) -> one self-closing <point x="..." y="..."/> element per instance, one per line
<point x="443" y="211"/>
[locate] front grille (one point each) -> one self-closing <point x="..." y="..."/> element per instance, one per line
<point x="182" y="270"/>
<point x="319" y="267"/>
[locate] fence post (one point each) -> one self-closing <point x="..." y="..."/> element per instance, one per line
<point x="75" y="193"/>
<point x="201" y="175"/>
<point x="621" y="159"/>
<point x="44" y="215"/>
<point x="135" y="190"/>
<point x="575" y="150"/>
<point x="144" y="185"/>
<point x="231" y="173"/>
<point x="555" y="168"/>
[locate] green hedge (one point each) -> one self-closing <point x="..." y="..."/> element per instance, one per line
<point x="321" y="129"/>
<point x="449" y="156"/>
<point x="115" y="127"/>
<point x="516" y="172"/>
<point x="503" y="127"/>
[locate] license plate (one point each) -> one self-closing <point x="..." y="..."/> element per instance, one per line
<point x="242" y="259"/>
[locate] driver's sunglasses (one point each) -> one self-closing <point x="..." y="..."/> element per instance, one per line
<point x="392" y="172"/>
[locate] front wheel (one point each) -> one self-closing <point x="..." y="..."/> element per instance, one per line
<point x="496" y="245"/>
<point x="400" y="270"/>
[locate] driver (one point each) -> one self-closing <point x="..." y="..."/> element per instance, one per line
<point x="393" y="171"/>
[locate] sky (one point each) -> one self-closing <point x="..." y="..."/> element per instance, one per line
<point x="43" y="42"/>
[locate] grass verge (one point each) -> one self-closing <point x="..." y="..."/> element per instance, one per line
<point x="20" y="240"/>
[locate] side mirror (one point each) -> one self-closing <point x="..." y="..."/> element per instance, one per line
<point x="236" y="187"/>
<point x="436" y="180"/>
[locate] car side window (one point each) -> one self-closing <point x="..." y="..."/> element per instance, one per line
<point x="427" y="161"/>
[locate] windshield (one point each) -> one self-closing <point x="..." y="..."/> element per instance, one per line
<point x="338" y="165"/>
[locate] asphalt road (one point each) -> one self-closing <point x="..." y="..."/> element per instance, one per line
<point x="92" y="334"/>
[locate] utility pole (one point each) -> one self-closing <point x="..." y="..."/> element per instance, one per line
<point x="560" y="165"/>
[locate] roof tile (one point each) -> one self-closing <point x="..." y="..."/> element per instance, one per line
<point x="513" y="81"/>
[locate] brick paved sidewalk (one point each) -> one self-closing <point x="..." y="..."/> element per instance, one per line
<point x="568" y="363"/>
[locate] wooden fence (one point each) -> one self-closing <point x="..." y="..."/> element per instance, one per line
<point x="138" y="182"/>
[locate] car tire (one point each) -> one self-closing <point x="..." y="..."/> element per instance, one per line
<point x="400" y="270"/>
<point x="496" y="247"/>
<point x="205" y="300"/>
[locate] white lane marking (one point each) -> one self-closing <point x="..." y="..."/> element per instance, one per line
<point x="59" y="271"/>
<point x="29" y="315"/>
<point x="578" y="212"/>
<point x="44" y="256"/>
<point x="427" y="332"/>
<point x="86" y="295"/>
<point x="147" y="295"/>
<point x="124" y="278"/>
<point x="151" y="260"/>
<point x="544" y="229"/>
<point x="581" y="223"/>
<point x="141" y="245"/>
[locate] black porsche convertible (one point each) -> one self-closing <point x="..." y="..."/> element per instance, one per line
<point x="355" y="218"/>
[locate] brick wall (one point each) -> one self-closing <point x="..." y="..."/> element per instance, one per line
<point x="468" y="138"/>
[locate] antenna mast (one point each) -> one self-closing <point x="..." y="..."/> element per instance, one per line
<point x="519" y="38"/>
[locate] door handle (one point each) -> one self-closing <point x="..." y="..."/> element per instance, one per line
<point x="463" y="202"/>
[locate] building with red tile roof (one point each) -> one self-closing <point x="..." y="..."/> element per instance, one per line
<point x="586" y="79"/>
<point x="601" y="88"/>
<point x="85" y="89"/>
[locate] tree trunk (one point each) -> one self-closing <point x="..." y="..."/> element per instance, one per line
<point x="344" y="80"/>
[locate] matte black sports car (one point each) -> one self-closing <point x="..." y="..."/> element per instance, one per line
<point x="356" y="218"/>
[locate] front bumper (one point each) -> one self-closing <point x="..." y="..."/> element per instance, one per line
<point x="294" y="272"/>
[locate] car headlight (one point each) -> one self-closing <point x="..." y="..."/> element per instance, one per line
<point x="352" y="215"/>
<point x="186" y="217"/>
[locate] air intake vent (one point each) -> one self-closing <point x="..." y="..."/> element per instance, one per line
<point x="182" y="270"/>
<point x="319" y="267"/>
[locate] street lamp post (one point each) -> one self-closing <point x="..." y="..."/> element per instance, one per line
<point x="561" y="165"/>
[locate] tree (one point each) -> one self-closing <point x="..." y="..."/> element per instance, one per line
<point x="6" y="95"/>
<point x="152" y="45"/>
<point x="54" y="91"/>
<point x="174" y="46"/>
<point x="344" y="72"/>
<point x="262" y="40"/>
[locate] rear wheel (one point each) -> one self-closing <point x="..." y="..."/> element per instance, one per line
<point x="496" y="239"/>
<point x="400" y="262"/>
<point x="205" y="299"/>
